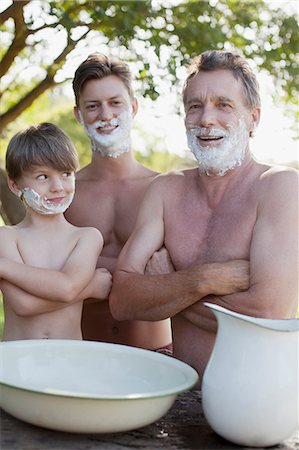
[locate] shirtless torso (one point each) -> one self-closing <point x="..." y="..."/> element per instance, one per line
<point x="118" y="195"/>
<point x="212" y="220"/>
<point x="28" y="317"/>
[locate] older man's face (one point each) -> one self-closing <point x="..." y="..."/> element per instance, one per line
<point x="218" y="121"/>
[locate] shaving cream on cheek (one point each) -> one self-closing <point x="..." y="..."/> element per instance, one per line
<point x="225" y="156"/>
<point x="42" y="205"/>
<point x="115" y="143"/>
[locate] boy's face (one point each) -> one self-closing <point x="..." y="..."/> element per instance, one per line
<point x="46" y="190"/>
<point x="106" y="111"/>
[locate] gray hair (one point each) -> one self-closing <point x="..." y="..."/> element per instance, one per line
<point x="236" y="63"/>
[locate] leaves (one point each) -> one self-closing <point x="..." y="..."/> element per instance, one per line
<point x="159" y="36"/>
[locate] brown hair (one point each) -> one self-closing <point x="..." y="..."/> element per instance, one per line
<point x="236" y="63"/>
<point x="98" y="66"/>
<point x="42" y="144"/>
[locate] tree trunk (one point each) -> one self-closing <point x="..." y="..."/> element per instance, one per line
<point x="11" y="208"/>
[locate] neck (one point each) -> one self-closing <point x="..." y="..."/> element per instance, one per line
<point x="215" y="186"/>
<point x="43" y="221"/>
<point x="109" y="168"/>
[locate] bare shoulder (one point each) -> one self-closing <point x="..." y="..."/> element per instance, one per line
<point x="89" y="233"/>
<point x="8" y="232"/>
<point x="278" y="188"/>
<point x="173" y="179"/>
<point x="9" y="237"/>
<point x="278" y="178"/>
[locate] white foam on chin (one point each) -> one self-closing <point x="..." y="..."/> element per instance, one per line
<point x="224" y="156"/>
<point x="42" y="205"/>
<point x="117" y="142"/>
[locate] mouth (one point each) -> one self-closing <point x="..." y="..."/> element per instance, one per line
<point x="210" y="140"/>
<point x="107" y="129"/>
<point x="55" y="200"/>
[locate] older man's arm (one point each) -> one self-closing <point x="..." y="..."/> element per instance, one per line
<point x="273" y="289"/>
<point x="136" y="296"/>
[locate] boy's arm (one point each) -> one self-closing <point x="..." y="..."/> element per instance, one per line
<point x="24" y="304"/>
<point x="64" y="285"/>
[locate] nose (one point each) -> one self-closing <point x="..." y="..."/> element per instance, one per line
<point x="105" y="113"/>
<point x="56" y="184"/>
<point x="207" y="117"/>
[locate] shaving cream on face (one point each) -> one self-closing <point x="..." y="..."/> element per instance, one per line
<point x="115" y="143"/>
<point x="43" y="205"/>
<point x="225" y="156"/>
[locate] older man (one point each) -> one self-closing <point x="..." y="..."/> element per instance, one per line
<point x="229" y="208"/>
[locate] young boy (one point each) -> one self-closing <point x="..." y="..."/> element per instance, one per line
<point x="47" y="265"/>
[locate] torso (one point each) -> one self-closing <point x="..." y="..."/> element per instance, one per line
<point x="44" y="250"/>
<point x="114" y="213"/>
<point x="197" y="231"/>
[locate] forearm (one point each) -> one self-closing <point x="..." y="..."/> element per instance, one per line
<point x="24" y="304"/>
<point x="48" y="284"/>
<point x="260" y="300"/>
<point x="156" y="297"/>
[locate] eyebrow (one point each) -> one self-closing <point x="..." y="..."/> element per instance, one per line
<point x="225" y="99"/>
<point x="220" y="98"/>
<point x="115" y="97"/>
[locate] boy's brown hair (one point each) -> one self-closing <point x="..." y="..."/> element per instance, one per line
<point x="44" y="144"/>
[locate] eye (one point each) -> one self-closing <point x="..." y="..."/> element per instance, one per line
<point x="42" y="176"/>
<point x="67" y="173"/>
<point x="224" y="106"/>
<point x="195" y="106"/>
<point x="115" y="102"/>
<point x="91" y="107"/>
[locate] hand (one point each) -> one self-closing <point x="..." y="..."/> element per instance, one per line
<point x="105" y="283"/>
<point x="159" y="263"/>
<point x="100" y="285"/>
<point x="226" y="278"/>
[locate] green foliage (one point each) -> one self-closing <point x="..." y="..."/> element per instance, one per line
<point x="159" y="37"/>
<point x="58" y="109"/>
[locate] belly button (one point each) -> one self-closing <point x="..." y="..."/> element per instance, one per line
<point x="115" y="330"/>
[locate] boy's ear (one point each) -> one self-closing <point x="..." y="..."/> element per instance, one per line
<point x="12" y="184"/>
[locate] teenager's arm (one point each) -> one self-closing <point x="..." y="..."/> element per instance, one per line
<point x="64" y="285"/>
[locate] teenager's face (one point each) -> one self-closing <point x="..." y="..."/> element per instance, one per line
<point x="46" y="190"/>
<point x="106" y="112"/>
<point x="218" y="121"/>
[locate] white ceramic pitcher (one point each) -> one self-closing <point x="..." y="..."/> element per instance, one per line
<point x="250" y="385"/>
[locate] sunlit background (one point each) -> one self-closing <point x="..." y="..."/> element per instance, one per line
<point x="158" y="136"/>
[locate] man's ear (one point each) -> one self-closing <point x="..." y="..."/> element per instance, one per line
<point x="134" y="106"/>
<point x="255" y="119"/>
<point x="76" y="112"/>
<point x="12" y="184"/>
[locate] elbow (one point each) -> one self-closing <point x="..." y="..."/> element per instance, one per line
<point x="67" y="293"/>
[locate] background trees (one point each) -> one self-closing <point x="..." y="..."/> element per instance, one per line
<point x="43" y="41"/>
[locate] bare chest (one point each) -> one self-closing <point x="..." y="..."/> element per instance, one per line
<point x="112" y="209"/>
<point x="196" y="233"/>
<point x="46" y="250"/>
